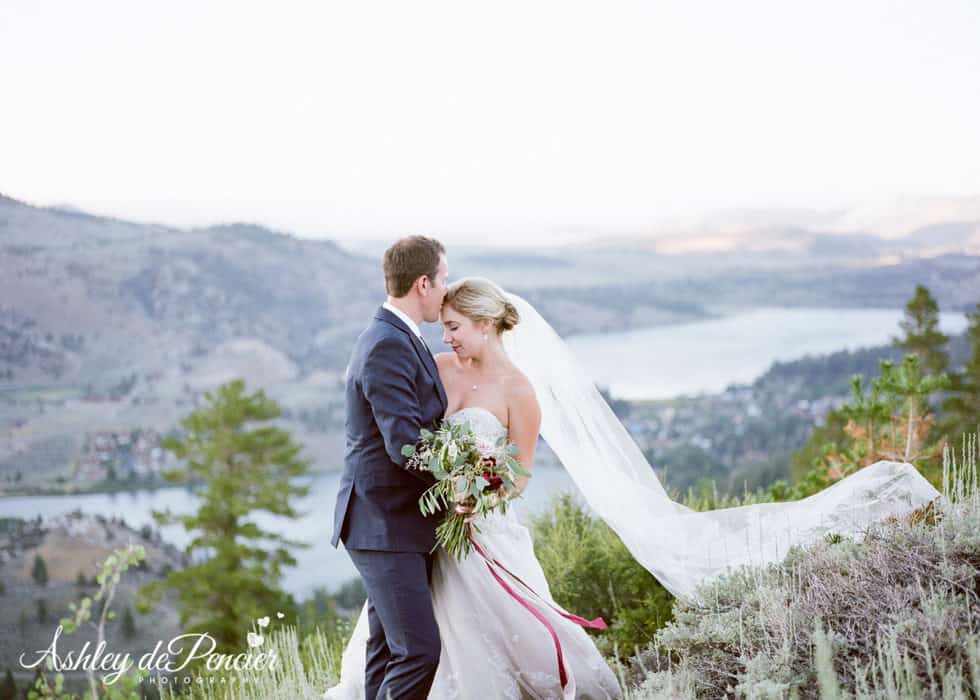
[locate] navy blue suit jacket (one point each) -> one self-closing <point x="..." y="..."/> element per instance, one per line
<point x="393" y="391"/>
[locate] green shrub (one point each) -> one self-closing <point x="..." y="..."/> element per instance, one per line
<point x="591" y="573"/>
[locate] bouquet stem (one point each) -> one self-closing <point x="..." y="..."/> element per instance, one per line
<point x="453" y="533"/>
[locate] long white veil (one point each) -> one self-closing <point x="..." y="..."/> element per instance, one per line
<point x="683" y="548"/>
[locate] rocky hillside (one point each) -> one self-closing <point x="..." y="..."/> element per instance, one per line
<point x="109" y="327"/>
<point x="85" y="298"/>
<point x="73" y="548"/>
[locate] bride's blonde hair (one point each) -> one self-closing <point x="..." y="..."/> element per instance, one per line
<point x="479" y="299"/>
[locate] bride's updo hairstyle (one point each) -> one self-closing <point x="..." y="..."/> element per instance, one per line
<point x="479" y="299"/>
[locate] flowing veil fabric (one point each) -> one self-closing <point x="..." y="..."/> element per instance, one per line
<point x="683" y="548"/>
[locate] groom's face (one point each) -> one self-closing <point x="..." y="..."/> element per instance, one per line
<point x="432" y="302"/>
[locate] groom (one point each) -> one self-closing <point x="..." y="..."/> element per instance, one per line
<point x="393" y="391"/>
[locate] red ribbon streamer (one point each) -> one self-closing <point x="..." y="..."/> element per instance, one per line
<point x="598" y="623"/>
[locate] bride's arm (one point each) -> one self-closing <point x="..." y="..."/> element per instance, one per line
<point x="524" y="422"/>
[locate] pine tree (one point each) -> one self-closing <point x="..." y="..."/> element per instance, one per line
<point x="8" y="689"/>
<point x="907" y="382"/>
<point x="869" y="411"/>
<point x="40" y="571"/>
<point x="823" y="439"/>
<point x="962" y="408"/>
<point x="236" y="577"/>
<point x="42" y="610"/>
<point x="922" y="335"/>
<point x="128" y="624"/>
<point x="893" y="421"/>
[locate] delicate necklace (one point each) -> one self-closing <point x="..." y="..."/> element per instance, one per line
<point x="474" y="387"/>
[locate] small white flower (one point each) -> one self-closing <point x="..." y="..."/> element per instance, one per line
<point x="263" y="621"/>
<point x="255" y="640"/>
<point x="280" y="615"/>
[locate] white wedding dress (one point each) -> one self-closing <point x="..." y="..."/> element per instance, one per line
<point x="492" y="646"/>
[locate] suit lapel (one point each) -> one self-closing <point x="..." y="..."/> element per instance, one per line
<point x="425" y="356"/>
<point x="430" y="364"/>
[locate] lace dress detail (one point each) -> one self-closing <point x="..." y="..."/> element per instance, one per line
<point x="492" y="647"/>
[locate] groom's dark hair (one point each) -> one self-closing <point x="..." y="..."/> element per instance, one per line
<point x="408" y="259"/>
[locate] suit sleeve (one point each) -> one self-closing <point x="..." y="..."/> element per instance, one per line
<point x="388" y="381"/>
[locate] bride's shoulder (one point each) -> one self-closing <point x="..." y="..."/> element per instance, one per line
<point x="445" y="360"/>
<point x="519" y="387"/>
<point x="523" y="408"/>
<point x="447" y="364"/>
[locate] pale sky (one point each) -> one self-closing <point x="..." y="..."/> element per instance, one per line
<point x="506" y="119"/>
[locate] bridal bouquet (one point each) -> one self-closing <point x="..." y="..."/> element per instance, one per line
<point x="474" y="474"/>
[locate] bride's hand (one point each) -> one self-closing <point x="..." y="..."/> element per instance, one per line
<point x="464" y="507"/>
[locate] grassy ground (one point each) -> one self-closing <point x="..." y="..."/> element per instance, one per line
<point x="892" y="616"/>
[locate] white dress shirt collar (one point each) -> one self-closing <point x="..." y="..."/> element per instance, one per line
<point x="404" y="317"/>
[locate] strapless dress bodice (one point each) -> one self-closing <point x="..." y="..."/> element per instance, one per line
<point x="486" y="426"/>
<point x="482" y="422"/>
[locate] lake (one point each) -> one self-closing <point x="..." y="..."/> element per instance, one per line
<point x="318" y="565"/>
<point x="704" y="356"/>
<point x="707" y="356"/>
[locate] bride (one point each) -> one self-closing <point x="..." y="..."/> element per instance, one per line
<point x="503" y="636"/>
<point x="504" y="383"/>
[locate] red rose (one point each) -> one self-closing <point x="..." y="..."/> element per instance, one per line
<point x="495" y="481"/>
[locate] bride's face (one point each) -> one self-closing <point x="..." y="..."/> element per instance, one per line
<point x="463" y="335"/>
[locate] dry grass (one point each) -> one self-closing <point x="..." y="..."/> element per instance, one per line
<point x="893" y="616"/>
<point x="305" y="670"/>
